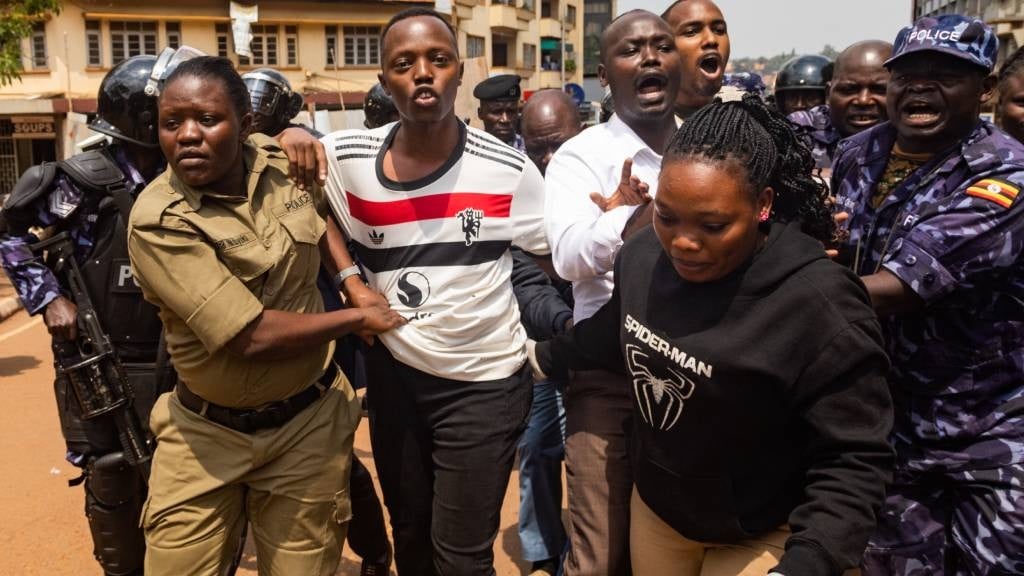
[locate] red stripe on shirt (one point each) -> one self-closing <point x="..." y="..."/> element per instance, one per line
<point x="430" y="207"/>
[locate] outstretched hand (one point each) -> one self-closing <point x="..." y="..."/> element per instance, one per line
<point x="630" y="192"/>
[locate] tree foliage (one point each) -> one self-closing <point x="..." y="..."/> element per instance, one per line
<point x="16" y="20"/>
<point x="770" y="65"/>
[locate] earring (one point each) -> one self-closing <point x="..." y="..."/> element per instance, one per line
<point x="763" y="217"/>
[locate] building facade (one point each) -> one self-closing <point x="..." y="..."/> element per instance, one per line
<point x="597" y="15"/>
<point x="328" y="49"/>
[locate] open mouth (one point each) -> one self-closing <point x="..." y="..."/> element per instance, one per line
<point x="862" y="119"/>
<point x="650" y="85"/>
<point x="920" y="113"/>
<point x="710" y="64"/>
<point x="424" y="97"/>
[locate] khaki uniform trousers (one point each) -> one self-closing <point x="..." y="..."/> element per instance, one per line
<point x="656" y="549"/>
<point x="290" y="483"/>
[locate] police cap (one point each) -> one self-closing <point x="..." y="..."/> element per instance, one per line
<point x="500" y="87"/>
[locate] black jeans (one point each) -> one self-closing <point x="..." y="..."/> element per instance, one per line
<point x="444" y="451"/>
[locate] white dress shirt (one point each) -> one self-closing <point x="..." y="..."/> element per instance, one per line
<point x="584" y="240"/>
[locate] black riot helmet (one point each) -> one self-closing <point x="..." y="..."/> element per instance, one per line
<point x="803" y="73"/>
<point x="274" y="103"/>
<point x="378" y="108"/>
<point x="801" y="82"/>
<point x="123" y="109"/>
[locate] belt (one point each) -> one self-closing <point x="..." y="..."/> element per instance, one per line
<point x="248" y="420"/>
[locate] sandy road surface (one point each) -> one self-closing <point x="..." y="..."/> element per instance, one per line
<point x="42" y="528"/>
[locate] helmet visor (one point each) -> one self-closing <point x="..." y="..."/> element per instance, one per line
<point x="264" y="93"/>
<point x="165" y="64"/>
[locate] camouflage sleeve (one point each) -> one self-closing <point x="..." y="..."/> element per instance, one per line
<point x="35" y="284"/>
<point x="976" y="229"/>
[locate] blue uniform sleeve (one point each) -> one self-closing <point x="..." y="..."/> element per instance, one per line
<point x="35" y="284"/>
<point x="976" y="229"/>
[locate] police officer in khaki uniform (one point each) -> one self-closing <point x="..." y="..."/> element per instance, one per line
<point x="260" y="426"/>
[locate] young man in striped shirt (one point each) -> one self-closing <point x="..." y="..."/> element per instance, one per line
<point x="432" y="207"/>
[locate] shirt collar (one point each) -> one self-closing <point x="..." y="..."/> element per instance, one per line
<point x="631" y="143"/>
<point x="255" y="160"/>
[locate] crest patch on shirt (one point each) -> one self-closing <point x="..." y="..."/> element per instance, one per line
<point x="998" y="191"/>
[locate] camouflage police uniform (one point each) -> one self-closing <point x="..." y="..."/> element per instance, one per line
<point x="954" y="232"/>
<point x="815" y="128"/>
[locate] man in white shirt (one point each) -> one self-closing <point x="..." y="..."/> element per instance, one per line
<point x="591" y="181"/>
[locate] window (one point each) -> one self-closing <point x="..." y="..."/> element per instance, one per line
<point x="263" y="47"/>
<point x="129" y="39"/>
<point x="92" y="43"/>
<point x="595" y="8"/>
<point x="362" y="45"/>
<point x="475" y="47"/>
<point x="331" y="36"/>
<point x="39" y="46"/>
<point x="222" y="40"/>
<point x="529" y="56"/>
<point x="570" y="14"/>
<point x="291" y="45"/>
<point x="173" y="34"/>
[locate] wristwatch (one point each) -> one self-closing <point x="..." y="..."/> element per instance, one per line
<point x="340" y="277"/>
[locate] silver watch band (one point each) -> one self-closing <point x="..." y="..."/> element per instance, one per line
<point x="340" y="277"/>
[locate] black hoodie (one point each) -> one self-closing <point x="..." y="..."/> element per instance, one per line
<point x="760" y="399"/>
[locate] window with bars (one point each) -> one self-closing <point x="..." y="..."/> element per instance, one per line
<point x="173" y="34"/>
<point x="94" y="54"/>
<point x="331" y="44"/>
<point x="475" y="47"/>
<point x="39" y="46"/>
<point x="222" y="32"/>
<point x="291" y="45"/>
<point x="362" y="45"/>
<point x="263" y="47"/>
<point x="129" y="39"/>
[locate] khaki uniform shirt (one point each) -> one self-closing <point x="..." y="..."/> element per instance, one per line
<point x="211" y="263"/>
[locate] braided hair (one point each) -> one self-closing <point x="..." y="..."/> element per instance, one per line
<point x="754" y="136"/>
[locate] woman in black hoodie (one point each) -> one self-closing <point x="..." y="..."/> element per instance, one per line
<point x="757" y="365"/>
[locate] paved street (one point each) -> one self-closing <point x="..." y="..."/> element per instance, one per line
<point x="43" y="530"/>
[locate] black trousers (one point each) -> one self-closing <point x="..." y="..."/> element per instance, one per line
<point x="444" y="451"/>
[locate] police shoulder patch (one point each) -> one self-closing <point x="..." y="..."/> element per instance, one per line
<point x="1000" y="192"/>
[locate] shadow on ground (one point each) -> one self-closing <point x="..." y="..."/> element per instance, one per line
<point x="14" y="365"/>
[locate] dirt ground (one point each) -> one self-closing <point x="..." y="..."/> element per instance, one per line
<point x="42" y="528"/>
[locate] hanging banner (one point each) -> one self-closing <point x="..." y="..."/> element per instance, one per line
<point x="242" y="17"/>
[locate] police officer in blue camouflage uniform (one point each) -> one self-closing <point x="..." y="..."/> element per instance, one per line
<point x="82" y="196"/>
<point x="854" y="100"/>
<point x="937" y="235"/>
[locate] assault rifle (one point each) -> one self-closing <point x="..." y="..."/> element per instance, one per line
<point x="91" y="364"/>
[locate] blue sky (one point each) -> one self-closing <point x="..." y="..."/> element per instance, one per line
<point x="767" y="27"/>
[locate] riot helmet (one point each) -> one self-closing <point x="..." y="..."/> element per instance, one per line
<point x="801" y="82"/>
<point x="123" y="109"/>
<point x="274" y="103"/>
<point x="378" y="108"/>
